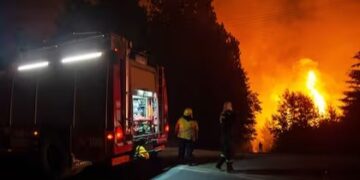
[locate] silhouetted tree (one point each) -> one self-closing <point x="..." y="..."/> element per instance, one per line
<point x="266" y="136"/>
<point x="293" y="121"/>
<point x="298" y="127"/>
<point x="351" y="120"/>
<point x="203" y="66"/>
<point x="295" y="110"/>
<point x="332" y="115"/>
<point x="352" y="96"/>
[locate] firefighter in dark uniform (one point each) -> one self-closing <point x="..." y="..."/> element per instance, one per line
<point x="227" y="119"/>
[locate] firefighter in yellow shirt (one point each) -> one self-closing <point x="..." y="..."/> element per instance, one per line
<point x="187" y="130"/>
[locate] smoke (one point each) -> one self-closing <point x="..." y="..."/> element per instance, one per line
<point x="276" y="35"/>
<point x="24" y="23"/>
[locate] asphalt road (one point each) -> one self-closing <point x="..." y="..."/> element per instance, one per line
<point x="247" y="166"/>
<point x="270" y="166"/>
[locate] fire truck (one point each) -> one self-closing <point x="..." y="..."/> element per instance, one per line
<point x="89" y="100"/>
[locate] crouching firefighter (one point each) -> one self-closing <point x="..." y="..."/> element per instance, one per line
<point x="227" y="119"/>
<point x="140" y="152"/>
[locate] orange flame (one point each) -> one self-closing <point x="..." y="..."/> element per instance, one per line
<point x="305" y="78"/>
<point x="274" y="34"/>
<point x="318" y="99"/>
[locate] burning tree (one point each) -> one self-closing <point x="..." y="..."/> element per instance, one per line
<point x="299" y="126"/>
<point x="295" y="110"/>
<point x="294" y="123"/>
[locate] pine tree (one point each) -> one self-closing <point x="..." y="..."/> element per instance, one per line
<point x="203" y="66"/>
<point x="352" y="96"/>
<point x="352" y="100"/>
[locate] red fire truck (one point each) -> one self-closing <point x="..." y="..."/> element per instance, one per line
<point x="85" y="101"/>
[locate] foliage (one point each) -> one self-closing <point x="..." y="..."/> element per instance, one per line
<point x="351" y="120"/>
<point x="203" y="65"/>
<point x="352" y="96"/>
<point x="295" y="110"/>
<point x="298" y="127"/>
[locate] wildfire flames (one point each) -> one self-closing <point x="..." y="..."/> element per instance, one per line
<point x="274" y="37"/>
<point x="318" y="99"/>
<point x="305" y="77"/>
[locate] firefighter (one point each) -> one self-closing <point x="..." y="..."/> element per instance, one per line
<point x="186" y="130"/>
<point x="194" y="138"/>
<point x="227" y="119"/>
<point x="140" y="151"/>
<point x="260" y="147"/>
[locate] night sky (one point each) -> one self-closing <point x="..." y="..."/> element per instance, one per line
<point x="25" y="22"/>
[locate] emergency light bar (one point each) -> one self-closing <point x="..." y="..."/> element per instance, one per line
<point x="31" y="66"/>
<point x="83" y="57"/>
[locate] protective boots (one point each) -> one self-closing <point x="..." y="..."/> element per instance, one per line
<point x="229" y="167"/>
<point x="220" y="162"/>
<point x="218" y="165"/>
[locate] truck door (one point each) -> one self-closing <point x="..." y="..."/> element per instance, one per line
<point x="144" y="101"/>
<point x="163" y="99"/>
<point x="122" y="142"/>
<point x="5" y="93"/>
<point x="91" y="109"/>
<point x="5" y="103"/>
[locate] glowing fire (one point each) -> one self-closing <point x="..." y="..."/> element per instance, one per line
<point x="318" y="99"/>
<point x="306" y="78"/>
<point x="274" y="34"/>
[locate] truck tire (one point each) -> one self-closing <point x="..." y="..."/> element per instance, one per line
<point x="154" y="156"/>
<point x="55" y="159"/>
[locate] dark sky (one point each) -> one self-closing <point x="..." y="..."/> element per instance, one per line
<point x="29" y="21"/>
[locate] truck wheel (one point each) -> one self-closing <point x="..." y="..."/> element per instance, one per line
<point x="156" y="162"/>
<point x="154" y="155"/>
<point x="55" y="160"/>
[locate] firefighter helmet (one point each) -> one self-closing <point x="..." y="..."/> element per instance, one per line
<point x="188" y="112"/>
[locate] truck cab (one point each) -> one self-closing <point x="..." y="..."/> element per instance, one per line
<point x="87" y="100"/>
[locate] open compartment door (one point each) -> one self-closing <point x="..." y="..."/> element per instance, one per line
<point x="144" y="100"/>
